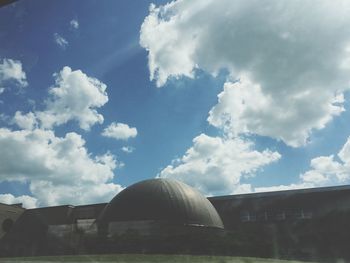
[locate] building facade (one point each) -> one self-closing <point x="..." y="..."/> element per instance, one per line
<point x="308" y="224"/>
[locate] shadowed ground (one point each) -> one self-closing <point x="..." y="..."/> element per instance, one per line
<point x="145" y="259"/>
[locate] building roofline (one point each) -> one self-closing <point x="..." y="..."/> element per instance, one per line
<point x="223" y="197"/>
<point x="67" y="206"/>
<point x="15" y="206"/>
<point x="283" y="192"/>
<point x="95" y="204"/>
<point x="56" y="206"/>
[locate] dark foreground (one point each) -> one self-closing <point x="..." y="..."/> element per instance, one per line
<point x="127" y="258"/>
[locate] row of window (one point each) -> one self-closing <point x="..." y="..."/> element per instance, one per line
<point x="290" y="214"/>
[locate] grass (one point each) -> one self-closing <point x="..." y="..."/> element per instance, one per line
<point x="132" y="258"/>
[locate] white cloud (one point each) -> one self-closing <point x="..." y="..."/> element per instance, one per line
<point x="325" y="171"/>
<point x="75" y="96"/>
<point x="243" y="108"/>
<point x="128" y="149"/>
<point x="60" y="41"/>
<point x="119" y="131"/>
<point x="76" y="194"/>
<point x="292" y="58"/>
<point x="59" y="170"/>
<point x="25" y="121"/>
<point x="215" y="165"/>
<point x="26" y="200"/>
<point x="11" y="70"/>
<point x="74" y="24"/>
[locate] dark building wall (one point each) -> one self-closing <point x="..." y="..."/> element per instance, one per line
<point x="8" y="215"/>
<point x="279" y="207"/>
<point x="49" y="230"/>
<point x="310" y="223"/>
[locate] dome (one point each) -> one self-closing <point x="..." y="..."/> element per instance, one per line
<point x="162" y="200"/>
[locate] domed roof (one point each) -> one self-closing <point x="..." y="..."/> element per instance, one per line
<point x="162" y="200"/>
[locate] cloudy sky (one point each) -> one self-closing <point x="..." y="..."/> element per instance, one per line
<point x="227" y="96"/>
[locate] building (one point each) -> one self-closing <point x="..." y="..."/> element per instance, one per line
<point x="166" y="216"/>
<point x="307" y="223"/>
<point x="158" y="207"/>
<point x="148" y="212"/>
<point x="8" y="215"/>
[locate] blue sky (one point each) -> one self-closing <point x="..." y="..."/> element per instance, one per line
<point x="227" y="97"/>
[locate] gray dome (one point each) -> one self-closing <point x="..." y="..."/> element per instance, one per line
<point x="162" y="200"/>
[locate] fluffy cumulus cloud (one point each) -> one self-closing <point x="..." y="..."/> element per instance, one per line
<point x="291" y="57"/>
<point x="74" y="24"/>
<point x="26" y="200"/>
<point x="243" y="108"/>
<point x="59" y="170"/>
<point x="328" y="170"/>
<point x="11" y="71"/>
<point x="74" y="97"/>
<point x="216" y="165"/>
<point x="119" y="131"/>
<point x="128" y="149"/>
<point x="60" y="41"/>
<point x="25" y="121"/>
<point x="324" y="171"/>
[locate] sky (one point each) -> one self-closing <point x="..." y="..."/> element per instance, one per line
<point x="227" y="96"/>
